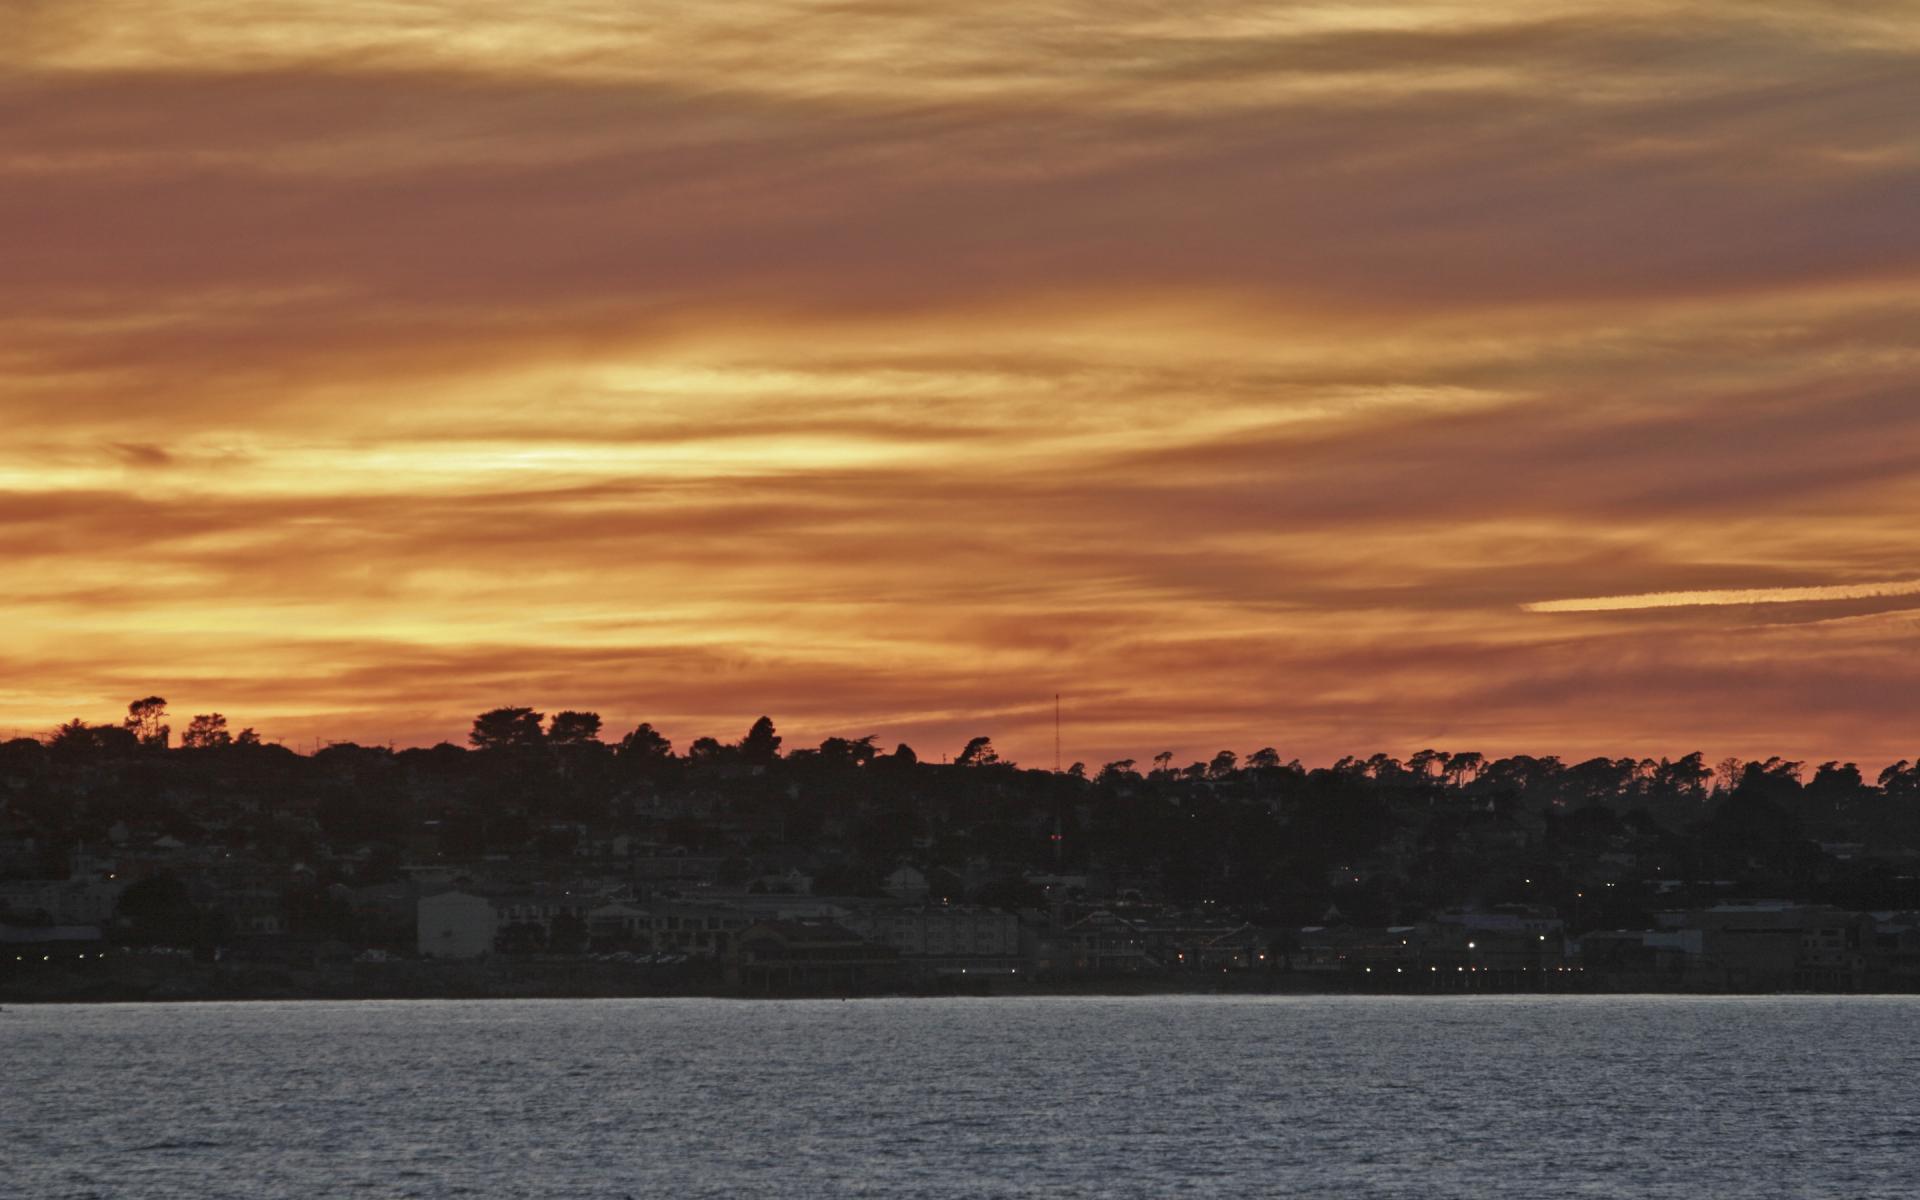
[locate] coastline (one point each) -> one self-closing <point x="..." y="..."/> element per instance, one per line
<point x="186" y="981"/>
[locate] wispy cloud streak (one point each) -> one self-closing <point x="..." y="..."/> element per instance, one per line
<point x="1787" y="595"/>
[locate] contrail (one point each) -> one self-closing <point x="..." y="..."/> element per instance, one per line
<point x="1786" y="595"/>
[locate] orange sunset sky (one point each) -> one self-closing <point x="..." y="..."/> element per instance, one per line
<point x="1515" y="375"/>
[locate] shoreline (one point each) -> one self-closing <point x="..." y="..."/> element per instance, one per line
<point x="206" y="983"/>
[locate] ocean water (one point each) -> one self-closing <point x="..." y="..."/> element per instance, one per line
<point x="1058" y="1097"/>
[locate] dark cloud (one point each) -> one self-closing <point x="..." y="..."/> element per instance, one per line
<point x="303" y="215"/>
<point x="141" y="454"/>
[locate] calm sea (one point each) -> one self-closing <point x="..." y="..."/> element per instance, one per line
<point x="1348" y="1097"/>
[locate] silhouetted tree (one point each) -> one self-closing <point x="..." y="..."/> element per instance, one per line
<point x="1685" y="777"/>
<point x="978" y="753"/>
<point x="574" y="728"/>
<point x="1599" y="780"/>
<point x="1754" y="826"/>
<point x="1264" y="759"/>
<point x="848" y="752"/>
<point x="707" y="750"/>
<point x="507" y="728"/>
<point x="1461" y="765"/>
<point x="206" y="731"/>
<point x="78" y="733"/>
<point x="22" y="757"/>
<point x="1726" y="773"/>
<point x="1834" y="782"/>
<point x="1901" y="779"/>
<point x="761" y="746"/>
<point x="146" y="720"/>
<point x="645" y="745"/>
<point x="77" y="739"/>
<point x="1223" y="764"/>
<point x="1776" y="779"/>
<point x="1783" y="767"/>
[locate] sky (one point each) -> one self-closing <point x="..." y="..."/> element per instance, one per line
<point x="1514" y="376"/>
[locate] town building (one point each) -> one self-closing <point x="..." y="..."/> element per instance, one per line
<point x="809" y="956"/>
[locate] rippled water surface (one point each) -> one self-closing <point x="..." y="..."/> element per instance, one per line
<point x="1420" y="1097"/>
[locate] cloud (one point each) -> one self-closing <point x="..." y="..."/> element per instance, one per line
<point x="1793" y="595"/>
<point x="141" y="454"/>
<point x="1237" y="372"/>
<point x="500" y="214"/>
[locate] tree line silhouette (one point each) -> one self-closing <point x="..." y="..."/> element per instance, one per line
<point x="521" y="730"/>
<point x="1381" y="837"/>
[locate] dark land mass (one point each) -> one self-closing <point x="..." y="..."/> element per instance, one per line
<point x="543" y="860"/>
